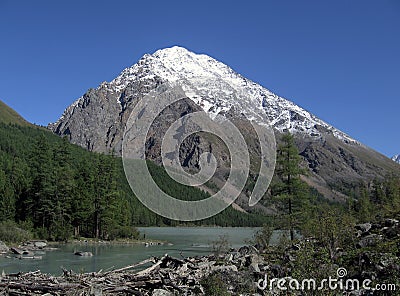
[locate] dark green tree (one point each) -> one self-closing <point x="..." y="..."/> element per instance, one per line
<point x="19" y="176"/>
<point x="63" y="190"/>
<point x="41" y="202"/>
<point x="81" y="209"/>
<point x="106" y="196"/>
<point x="364" y="206"/>
<point x="391" y="188"/>
<point x="7" y="199"/>
<point x="289" y="187"/>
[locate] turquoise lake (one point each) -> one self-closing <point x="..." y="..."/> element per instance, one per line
<point x="183" y="241"/>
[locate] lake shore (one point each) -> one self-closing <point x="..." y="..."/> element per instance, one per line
<point x="114" y="242"/>
<point x="52" y="245"/>
<point x="186" y="242"/>
<point x="373" y="258"/>
<point x="153" y="276"/>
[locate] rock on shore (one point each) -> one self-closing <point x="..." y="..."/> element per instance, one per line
<point x="3" y="247"/>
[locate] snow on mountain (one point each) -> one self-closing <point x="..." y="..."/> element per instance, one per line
<point x="217" y="88"/>
<point x="396" y="158"/>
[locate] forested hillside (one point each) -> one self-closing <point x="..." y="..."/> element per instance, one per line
<point x="8" y="115"/>
<point x="58" y="190"/>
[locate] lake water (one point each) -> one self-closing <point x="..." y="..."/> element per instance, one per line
<point x="185" y="242"/>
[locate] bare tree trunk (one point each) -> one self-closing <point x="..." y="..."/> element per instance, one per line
<point x="291" y="220"/>
<point x="97" y="230"/>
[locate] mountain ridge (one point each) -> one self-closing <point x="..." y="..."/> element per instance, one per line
<point x="9" y="115"/>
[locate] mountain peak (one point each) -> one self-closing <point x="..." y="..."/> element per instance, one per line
<point x="98" y="119"/>
<point x="174" y="51"/>
<point x="396" y="158"/>
<point x="216" y="88"/>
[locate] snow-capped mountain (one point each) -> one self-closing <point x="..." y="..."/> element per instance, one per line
<point x="396" y="158"/>
<point x="97" y="120"/>
<point x="215" y="87"/>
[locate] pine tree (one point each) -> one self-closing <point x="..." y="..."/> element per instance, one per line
<point x="105" y="196"/>
<point x="81" y="209"/>
<point x="364" y="206"/>
<point x="64" y="190"/>
<point x="41" y="204"/>
<point x="392" y="193"/>
<point x="7" y="199"/>
<point x="288" y="169"/>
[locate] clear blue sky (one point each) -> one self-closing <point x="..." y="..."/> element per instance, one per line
<point x="338" y="59"/>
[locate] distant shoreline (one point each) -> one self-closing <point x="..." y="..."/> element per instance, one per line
<point x="113" y="242"/>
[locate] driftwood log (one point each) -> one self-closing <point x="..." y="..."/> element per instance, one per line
<point x="158" y="274"/>
<point x="154" y="276"/>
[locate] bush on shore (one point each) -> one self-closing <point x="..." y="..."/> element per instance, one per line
<point x="11" y="232"/>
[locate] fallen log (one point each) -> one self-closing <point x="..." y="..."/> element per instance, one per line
<point x="151" y="268"/>
<point x="169" y="274"/>
<point x="131" y="266"/>
<point x="39" y="287"/>
<point x="83" y="254"/>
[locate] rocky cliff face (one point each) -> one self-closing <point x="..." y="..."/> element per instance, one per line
<point x="97" y="120"/>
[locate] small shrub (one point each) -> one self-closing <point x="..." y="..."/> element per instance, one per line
<point x="263" y="236"/>
<point x="214" y="285"/>
<point x="124" y="232"/>
<point x="221" y="245"/>
<point x="11" y="233"/>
